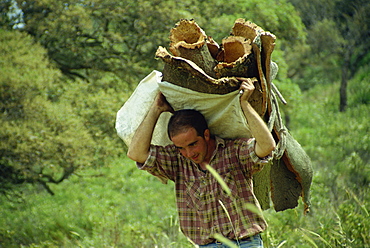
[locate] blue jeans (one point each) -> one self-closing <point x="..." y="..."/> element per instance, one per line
<point x="253" y="242"/>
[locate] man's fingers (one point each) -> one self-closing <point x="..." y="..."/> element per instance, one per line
<point x="247" y="86"/>
<point x="243" y="79"/>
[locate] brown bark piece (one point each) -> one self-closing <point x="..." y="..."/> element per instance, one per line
<point x="298" y="162"/>
<point x="213" y="47"/>
<point x="267" y="45"/>
<point x="294" y="167"/>
<point x="262" y="107"/>
<point x="246" y="29"/>
<point x="236" y="58"/>
<point x="185" y="73"/>
<point x="236" y="47"/>
<point x="285" y="189"/>
<point x="188" y="41"/>
<point x="257" y="98"/>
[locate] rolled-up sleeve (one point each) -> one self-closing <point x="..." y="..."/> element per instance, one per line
<point x="161" y="162"/>
<point x="248" y="156"/>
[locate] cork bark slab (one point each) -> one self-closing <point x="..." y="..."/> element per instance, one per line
<point x="199" y="63"/>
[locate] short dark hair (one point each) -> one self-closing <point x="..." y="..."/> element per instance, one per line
<point x="184" y="119"/>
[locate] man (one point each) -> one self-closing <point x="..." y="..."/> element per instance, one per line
<point x="204" y="207"/>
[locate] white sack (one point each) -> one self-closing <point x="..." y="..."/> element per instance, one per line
<point x="137" y="106"/>
<point x="222" y="112"/>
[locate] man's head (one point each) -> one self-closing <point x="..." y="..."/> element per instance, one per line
<point x="189" y="132"/>
<point x="184" y="119"/>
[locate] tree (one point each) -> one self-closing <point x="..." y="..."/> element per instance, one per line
<point x="121" y="37"/>
<point x="84" y="38"/>
<point x="353" y="20"/>
<point x="338" y="42"/>
<point x="42" y="141"/>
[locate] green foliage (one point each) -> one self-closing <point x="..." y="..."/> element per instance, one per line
<point x="359" y="87"/>
<point x="343" y="127"/>
<point x="82" y="39"/>
<point x="41" y="142"/>
<point x="103" y="36"/>
<point x="96" y="104"/>
<point x="338" y="144"/>
<point x="115" y="206"/>
<point x="119" y="205"/>
<point x="337" y="42"/>
<point x="219" y="17"/>
<point x="315" y="10"/>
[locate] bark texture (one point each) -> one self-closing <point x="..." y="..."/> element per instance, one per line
<point x="199" y="63"/>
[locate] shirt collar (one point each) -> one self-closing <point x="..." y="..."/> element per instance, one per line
<point x="219" y="142"/>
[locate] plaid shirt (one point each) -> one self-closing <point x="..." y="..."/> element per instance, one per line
<point x="204" y="207"/>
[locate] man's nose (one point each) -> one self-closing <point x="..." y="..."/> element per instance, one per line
<point x="188" y="153"/>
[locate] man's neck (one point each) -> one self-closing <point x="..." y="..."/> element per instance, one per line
<point x="210" y="151"/>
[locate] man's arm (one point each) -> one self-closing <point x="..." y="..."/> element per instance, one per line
<point x="265" y="143"/>
<point x="140" y="143"/>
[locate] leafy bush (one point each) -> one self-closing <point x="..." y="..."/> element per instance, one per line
<point x="359" y="88"/>
<point x="41" y="141"/>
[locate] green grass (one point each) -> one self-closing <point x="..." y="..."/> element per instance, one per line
<point x="115" y="206"/>
<point x="120" y="206"/>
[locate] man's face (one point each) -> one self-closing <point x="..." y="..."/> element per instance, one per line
<point x="192" y="146"/>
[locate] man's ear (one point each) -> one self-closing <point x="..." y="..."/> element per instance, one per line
<point x="207" y="134"/>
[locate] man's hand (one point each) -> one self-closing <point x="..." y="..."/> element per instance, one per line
<point x="246" y="88"/>
<point x="161" y="103"/>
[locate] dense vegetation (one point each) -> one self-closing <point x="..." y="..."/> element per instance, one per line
<point x="67" y="67"/>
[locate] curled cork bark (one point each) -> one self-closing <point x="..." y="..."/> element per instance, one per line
<point x="188" y="41"/>
<point x="186" y="73"/>
<point x="198" y="63"/>
<point x="213" y="47"/>
<point x="236" y="58"/>
<point x="193" y="64"/>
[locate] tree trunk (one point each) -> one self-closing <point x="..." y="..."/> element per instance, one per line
<point x="344" y="83"/>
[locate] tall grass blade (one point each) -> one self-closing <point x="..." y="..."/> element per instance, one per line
<point x="314" y="234"/>
<point x="225" y="241"/>
<point x="253" y="208"/>
<point x="227" y="212"/>
<point x="219" y="179"/>
<point x="228" y="216"/>
<point x="358" y="201"/>
<point x="306" y="237"/>
<point x="281" y="244"/>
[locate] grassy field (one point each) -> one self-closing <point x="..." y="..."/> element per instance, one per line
<point x="115" y="206"/>
<point x="121" y="206"/>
